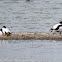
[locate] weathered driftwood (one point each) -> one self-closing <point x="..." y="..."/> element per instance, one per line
<point x="32" y="36"/>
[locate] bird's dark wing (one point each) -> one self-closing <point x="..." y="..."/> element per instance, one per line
<point x="58" y="27"/>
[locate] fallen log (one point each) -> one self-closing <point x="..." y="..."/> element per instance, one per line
<point x="32" y="36"/>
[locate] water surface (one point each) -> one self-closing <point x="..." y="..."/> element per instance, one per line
<point x="30" y="51"/>
<point x="32" y="16"/>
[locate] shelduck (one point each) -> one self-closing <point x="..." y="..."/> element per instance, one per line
<point x="57" y="28"/>
<point x="6" y="31"/>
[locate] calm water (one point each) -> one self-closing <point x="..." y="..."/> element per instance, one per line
<point x="30" y="51"/>
<point x="32" y="16"/>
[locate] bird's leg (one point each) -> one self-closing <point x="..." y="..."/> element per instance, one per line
<point x="60" y="32"/>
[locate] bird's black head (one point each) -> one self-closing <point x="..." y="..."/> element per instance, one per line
<point x="60" y="22"/>
<point x="0" y="29"/>
<point x="4" y="26"/>
<point x="51" y="29"/>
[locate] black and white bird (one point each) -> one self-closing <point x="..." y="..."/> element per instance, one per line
<point x="57" y="28"/>
<point x="6" y="31"/>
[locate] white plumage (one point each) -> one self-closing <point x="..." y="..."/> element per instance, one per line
<point x="5" y="30"/>
<point x="1" y="32"/>
<point x="55" y="26"/>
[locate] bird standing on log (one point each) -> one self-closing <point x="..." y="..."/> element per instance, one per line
<point x="57" y="28"/>
<point x="6" y="31"/>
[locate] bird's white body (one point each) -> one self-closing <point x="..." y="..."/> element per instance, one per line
<point x="60" y="29"/>
<point x="5" y="30"/>
<point x="56" y="26"/>
<point x="1" y="33"/>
